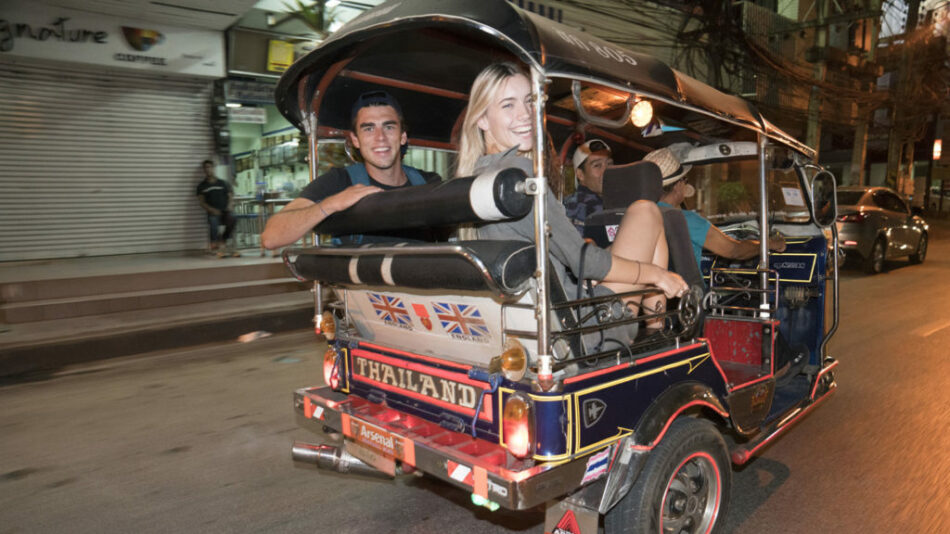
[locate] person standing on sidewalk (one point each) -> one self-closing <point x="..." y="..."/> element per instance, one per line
<point x="216" y="198"/>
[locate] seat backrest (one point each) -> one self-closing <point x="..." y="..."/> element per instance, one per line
<point x="682" y="259"/>
<point x="625" y="184"/>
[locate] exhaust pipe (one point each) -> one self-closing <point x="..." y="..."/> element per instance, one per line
<point x="332" y="458"/>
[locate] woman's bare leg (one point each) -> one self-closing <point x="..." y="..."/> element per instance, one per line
<point x="641" y="238"/>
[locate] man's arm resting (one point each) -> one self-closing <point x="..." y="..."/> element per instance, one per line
<point x="301" y="215"/>
<point x="291" y="223"/>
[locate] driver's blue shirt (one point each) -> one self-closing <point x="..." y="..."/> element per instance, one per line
<point x="698" y="227"/>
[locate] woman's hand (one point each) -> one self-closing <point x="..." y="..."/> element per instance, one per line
<point x="671" y="283"/>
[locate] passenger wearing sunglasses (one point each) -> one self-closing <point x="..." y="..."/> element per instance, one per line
<point x="591" y="159"/>
<point x="378" y="132"/>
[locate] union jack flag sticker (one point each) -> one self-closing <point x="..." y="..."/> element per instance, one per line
<point x="390" y="309"/>
<point x="463" y="319"/>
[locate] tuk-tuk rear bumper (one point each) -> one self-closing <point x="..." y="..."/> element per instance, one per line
<point x="482" y="467"/>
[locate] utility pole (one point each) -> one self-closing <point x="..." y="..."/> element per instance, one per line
<point x="897" y="143"/>
<point x="860" y="151"/>
<point x="813" y="133"/>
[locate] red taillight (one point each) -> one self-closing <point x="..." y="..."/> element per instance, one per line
<point x="331" y="371"/>
<point x="852" y="217"/>
<point x="518" y="426"/>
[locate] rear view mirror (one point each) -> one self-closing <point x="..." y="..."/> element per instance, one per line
<point x="824" y="205"/>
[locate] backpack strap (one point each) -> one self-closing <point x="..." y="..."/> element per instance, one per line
<point x="358" y="174"/>
<point x="415" y="177"/>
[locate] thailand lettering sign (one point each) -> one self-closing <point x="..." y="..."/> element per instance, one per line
<point x="418" y="382"/>
<point x="40" y="31"/>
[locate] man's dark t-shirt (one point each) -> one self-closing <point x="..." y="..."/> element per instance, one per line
<point x="215" y="193"/>
<point x="337" y="179"/>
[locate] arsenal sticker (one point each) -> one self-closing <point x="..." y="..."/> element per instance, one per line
<point x="423" y="315"/>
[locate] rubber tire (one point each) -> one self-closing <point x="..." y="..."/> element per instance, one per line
<point x="639" y="510"/>
<point x="870" y="265"/>
<point x="920" y="254"/>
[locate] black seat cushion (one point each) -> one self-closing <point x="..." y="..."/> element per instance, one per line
<point x="465" y="265"/>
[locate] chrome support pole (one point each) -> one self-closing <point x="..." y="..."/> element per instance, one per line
<point x="543" y="306"/>
<point x="763" y="227"/>
<point x="310" y="126"/>
<point x="834" y="300"/>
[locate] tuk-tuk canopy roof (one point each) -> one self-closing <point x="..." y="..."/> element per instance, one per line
<point x="442" y="45"/>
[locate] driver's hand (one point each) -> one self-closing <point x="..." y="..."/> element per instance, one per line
<point x="777" y="243"/>
<point x="672" y="284"/>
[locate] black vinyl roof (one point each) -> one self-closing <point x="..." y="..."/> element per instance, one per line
<point x="443" y="44"/>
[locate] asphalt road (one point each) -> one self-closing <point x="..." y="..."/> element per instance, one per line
<point x="199" y="440"/>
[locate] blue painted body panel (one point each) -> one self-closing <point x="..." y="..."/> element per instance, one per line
<point x="617" y="398"/>
<point x="804" y="263"/>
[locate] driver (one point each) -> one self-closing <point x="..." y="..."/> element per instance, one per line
<point x="702" y="233"/>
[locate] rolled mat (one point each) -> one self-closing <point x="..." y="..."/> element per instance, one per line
<point x="487" y="197"/>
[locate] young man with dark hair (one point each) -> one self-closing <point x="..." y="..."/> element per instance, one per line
<point x="378" y="132"/>
<point x="215" y="197"/>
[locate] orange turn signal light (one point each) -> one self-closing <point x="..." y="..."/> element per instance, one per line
<point x="326" y="325"/>
<point x="514" y="362"/>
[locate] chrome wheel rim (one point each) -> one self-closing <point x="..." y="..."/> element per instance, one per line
<point x="691" y="500"/>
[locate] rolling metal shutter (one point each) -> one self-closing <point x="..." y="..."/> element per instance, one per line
<point x="97" y="163"/>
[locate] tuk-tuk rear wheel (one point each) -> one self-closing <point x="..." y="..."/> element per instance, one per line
<point x="684" y="486"/>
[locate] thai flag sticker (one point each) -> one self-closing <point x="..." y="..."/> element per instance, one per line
<point x="460" y="472"/>
<point x="597" y="466"/>
<point x="461" y="321"/>
<point x="391" y="310"/>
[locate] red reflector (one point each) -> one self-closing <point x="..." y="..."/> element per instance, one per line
<point x="517" y="426"/>
<point x="850" y="243"/>
<point x="852" y="217"/>
<point x="331" y="371"/>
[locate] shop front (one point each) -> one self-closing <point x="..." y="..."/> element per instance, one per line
<point x="104" y="123"/>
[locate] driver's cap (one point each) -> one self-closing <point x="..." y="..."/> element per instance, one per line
<point x="584" y="151"/>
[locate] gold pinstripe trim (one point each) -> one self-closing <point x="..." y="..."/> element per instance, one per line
<point x="346" y="370"/>
<point x="811" y="275"/>
<point x="693" y="362"/>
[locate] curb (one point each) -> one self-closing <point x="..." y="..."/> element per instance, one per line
<point x="38" y="361"/>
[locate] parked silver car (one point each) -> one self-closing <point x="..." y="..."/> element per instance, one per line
<point x="875" y="225"/>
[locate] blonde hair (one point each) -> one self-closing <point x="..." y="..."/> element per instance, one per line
<point x="471" y="137"/>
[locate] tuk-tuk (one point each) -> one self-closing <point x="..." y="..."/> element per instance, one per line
<point x="463" y="360"/>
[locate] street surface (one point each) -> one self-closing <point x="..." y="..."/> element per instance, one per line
<point x="198" y="440"/>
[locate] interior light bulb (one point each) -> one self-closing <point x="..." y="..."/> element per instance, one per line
<point x="642" y="113"/>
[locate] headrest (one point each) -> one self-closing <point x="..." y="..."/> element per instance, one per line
<point x="625" y="184"/>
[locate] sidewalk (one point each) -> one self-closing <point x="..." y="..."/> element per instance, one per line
<point x="66" y="311"/>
